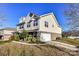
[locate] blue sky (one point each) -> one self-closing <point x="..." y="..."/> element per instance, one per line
<point x="14" y="11"/>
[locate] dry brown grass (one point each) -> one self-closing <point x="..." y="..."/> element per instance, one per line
<point x="14" y="49"/>
<point x="69" y="41"/>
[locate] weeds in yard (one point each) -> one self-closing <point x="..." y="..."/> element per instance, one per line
<point x="13" y="49"/>
<point x="69" y="41"/>
<point x="8" y="51"/>
<point x="23" y="53"/>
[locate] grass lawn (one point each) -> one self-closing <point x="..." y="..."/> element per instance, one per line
<point x="69" y="41"/>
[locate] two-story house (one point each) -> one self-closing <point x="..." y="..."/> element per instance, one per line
<point x="44" y="27"/>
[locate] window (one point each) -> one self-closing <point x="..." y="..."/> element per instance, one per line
<point x="28" y="24"/>
<point x="35" y="16"/>
<point x="35" y="23"/>
<point x="21" y="26"/>
<point x="46" y="24"/>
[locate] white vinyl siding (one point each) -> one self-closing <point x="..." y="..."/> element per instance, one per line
<point x="51" y="22"/>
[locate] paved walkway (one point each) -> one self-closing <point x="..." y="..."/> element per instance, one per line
<point x="64" y="45"/>
<point x="27" y="43"/>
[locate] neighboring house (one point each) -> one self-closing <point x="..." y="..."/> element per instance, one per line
<point x="5" y="33"/>
<point x="44" y="27"/>
<point x="74" y="34"/>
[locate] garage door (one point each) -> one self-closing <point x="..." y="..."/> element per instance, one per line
<point x="45" y="37"/>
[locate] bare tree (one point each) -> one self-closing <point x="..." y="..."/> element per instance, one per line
<point x="72" y="16"/>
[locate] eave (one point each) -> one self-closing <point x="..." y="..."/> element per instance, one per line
<point x="20" y="23"/>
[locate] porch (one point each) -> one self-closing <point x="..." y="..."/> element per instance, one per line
<point x="34" y="34"/>
<point x="1" y="37"/>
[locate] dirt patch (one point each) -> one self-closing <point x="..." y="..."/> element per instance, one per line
<point x="15" y="49"/>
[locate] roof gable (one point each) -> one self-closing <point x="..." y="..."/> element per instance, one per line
<point x="52" y="16"/>
<point x="38" y="17"/>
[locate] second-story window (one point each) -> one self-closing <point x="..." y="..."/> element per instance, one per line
<point x="21" y="26"/>
<point x="28" y="24"/>
<point x="35" y="23"/>
<point x="46" y="24"/>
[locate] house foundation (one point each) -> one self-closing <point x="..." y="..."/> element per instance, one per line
<point x="54" y="36"/>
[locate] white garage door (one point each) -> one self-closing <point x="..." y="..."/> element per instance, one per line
<point x="45" y="37"/>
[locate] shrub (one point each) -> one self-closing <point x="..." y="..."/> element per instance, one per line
<point x="34" y="39"/>
<point x="23" y="34"/>
<point x="29" y="38"/>
<point x="17" y="37"/>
